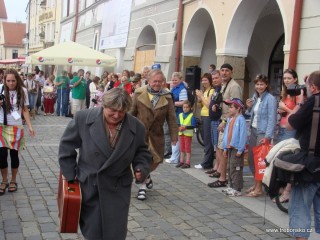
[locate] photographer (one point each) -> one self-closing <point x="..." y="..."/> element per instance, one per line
<point x="14" y="101"/>
<point x="304" y="194"/>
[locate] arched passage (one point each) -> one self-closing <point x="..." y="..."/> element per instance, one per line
<point x="199" y="46"/>
<point x="254" y="31"/>
<point x="145" y="48"/>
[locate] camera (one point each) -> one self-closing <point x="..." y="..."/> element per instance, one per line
<point x="283" y="114"/>
<point x="2" y="97"/>
<point x="295" y="89"/>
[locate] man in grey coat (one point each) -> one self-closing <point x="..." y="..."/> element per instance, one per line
<point x="109" y="141"/>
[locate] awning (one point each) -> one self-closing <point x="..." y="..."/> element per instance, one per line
<point x="12" y="61"/>
<point x="71" y="54"/>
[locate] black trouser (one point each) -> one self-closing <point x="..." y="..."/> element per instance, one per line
<point x="207" y="161"/>
<point x="4" y="158"/>
<point x="38" y="103"/>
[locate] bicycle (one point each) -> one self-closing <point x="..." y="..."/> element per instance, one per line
<point x="199" y="131"/>
<point x="283" y="206"/>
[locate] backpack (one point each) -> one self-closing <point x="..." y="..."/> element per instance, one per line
<point x="295" y="166"/>
<point x="299" y="160"/>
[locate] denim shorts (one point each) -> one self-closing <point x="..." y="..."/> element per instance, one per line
<point x="301" y="199"/>
<point x="284" y="134"/>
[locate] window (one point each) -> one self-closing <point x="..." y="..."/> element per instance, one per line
<point x="96" y="41"/>
<point x="14" y="53"/>
<point x="68" y="7"/>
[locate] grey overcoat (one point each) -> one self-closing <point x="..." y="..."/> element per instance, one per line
<point x="104" y="174"/>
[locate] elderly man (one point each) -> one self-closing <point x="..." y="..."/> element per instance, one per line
<point x="152" y="105"/>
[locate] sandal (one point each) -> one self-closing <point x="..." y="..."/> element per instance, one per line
<point x="250" y="189"/>
<point x="284" y="197"/>
<point x="13" y="187"/>
<point x="141" y="194"/>
<point x="210" y="171"/>
<point x="180" y="164"/>
<point x="185" y="166"/>
<point x="215" y="175"/>
<point x="3" y="189"/>
<point x="149" y="182"/>
<point x="254" y="194"/>
<point x="218" y="184"/>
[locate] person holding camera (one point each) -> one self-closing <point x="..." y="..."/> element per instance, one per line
<point x="304" y="194"/>
<point x="287" y="103"/>
<point x="13" y="103"/>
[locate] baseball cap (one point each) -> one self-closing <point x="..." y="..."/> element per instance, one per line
<point x="235" y="101"/>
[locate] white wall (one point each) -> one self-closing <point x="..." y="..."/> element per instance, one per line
<point x="309" y="44"/>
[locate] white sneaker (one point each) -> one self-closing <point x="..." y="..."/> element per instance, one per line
<point x="170" y="161"/>
<point x="227" y="190"/>
<point x="234" y="193"/>
<point x="198" y="166"/>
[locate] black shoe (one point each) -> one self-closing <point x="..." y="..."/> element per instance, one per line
<point x="168" y="155"/>
<point x="149" y="182"/>
<point x="180" y="164"/>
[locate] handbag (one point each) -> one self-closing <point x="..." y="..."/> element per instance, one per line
<point x="259" y="154"/>
<point x="303" y="162"/>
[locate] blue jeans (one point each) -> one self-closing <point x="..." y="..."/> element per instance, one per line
<point x="62" y="100"/>
<point x="31" y="97"/>
<point x="302" y="197"/>
<point x="214" y="132"/>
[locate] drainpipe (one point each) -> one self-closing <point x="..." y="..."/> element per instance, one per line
<point x="179" y="36"/>
<point x="74" y="38"/>
<point x="295" y="34"/>
<point x="76" y="21"/>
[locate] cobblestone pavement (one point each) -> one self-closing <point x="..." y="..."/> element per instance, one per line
<point x="180" y="206"/>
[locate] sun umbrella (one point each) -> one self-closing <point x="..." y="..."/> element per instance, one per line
<point x="71" y="54"/>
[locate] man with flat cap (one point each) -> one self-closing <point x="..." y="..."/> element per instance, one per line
<point x="230" y="89"/>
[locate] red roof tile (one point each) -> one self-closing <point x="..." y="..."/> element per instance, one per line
<point x="13" y="34"/>
<point x="3" y="11"/>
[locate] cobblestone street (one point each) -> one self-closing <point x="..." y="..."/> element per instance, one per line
<point x="180" y="206"/>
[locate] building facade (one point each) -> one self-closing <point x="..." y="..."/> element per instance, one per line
<point x="254" y="36"/>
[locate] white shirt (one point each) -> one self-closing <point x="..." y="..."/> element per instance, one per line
<point x="255" y="112"/>
<point x="13" y="99"/>
<point x="41" y="80"/>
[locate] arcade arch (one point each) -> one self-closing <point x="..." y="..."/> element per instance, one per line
<point x="254" y="31"/>
<point x="145" y="48"/>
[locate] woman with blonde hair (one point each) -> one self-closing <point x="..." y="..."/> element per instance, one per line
<point x="179" y="93"/>
<point x="49" y="95"/>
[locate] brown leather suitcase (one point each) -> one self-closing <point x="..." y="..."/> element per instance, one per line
<point x="69" y="205"/>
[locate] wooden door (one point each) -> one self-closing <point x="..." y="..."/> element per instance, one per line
<point x="143" y="58"/>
